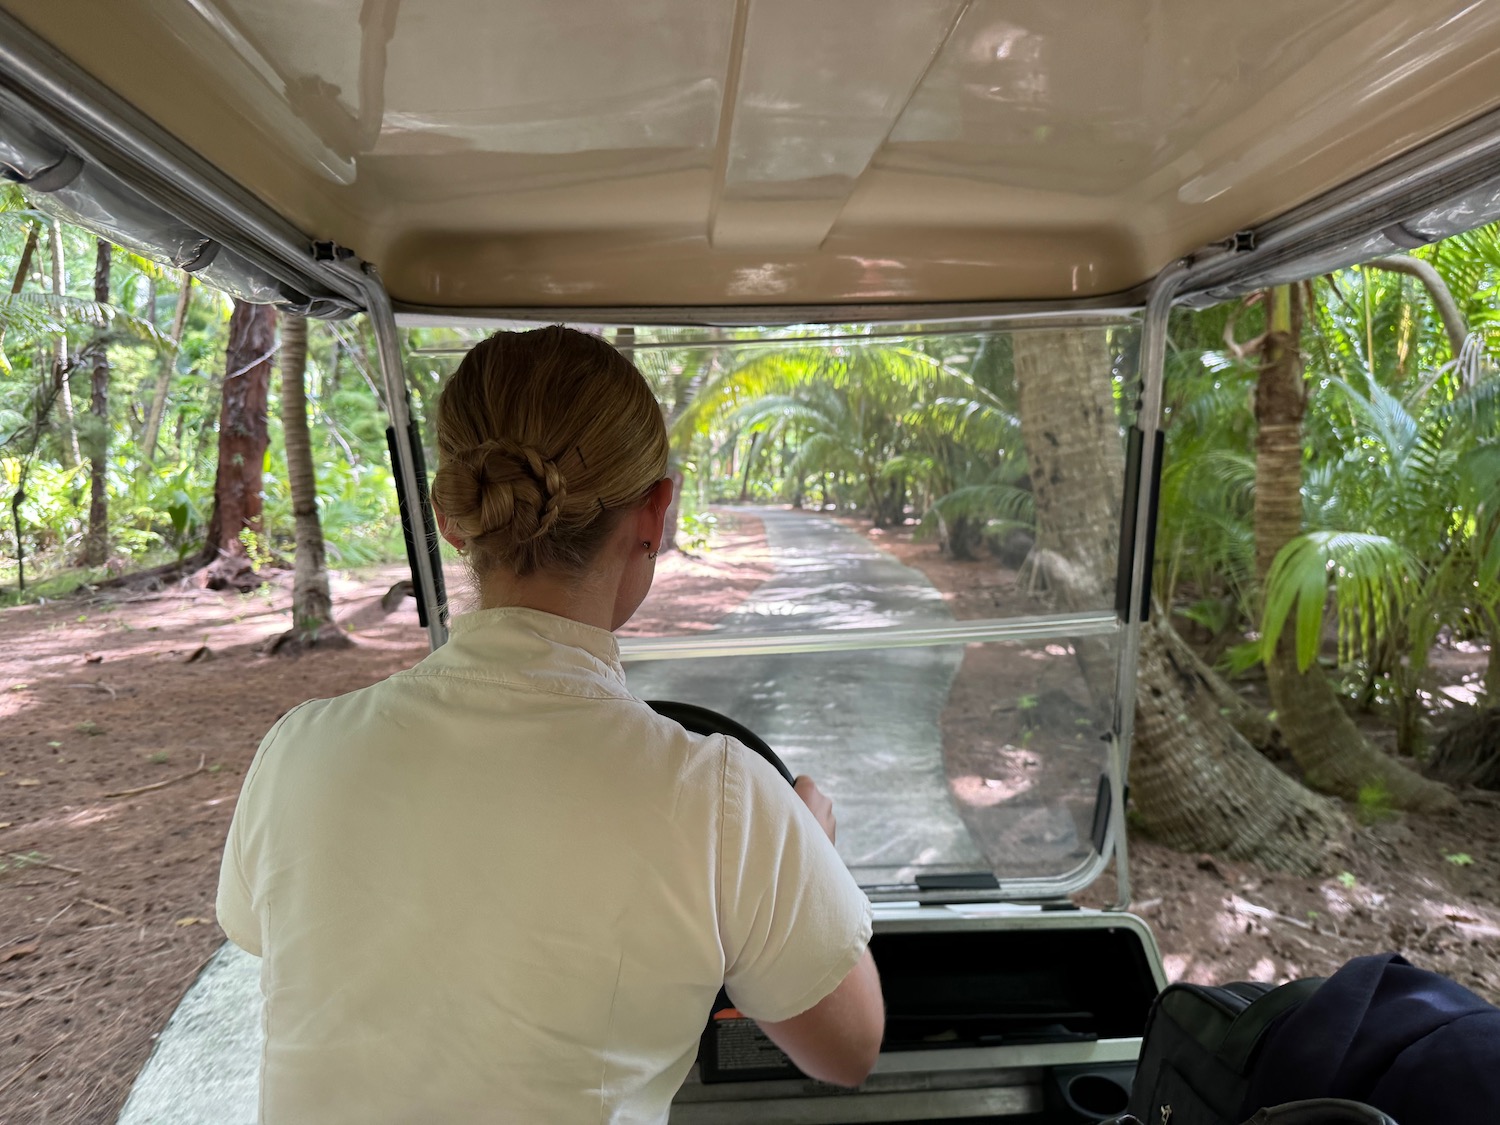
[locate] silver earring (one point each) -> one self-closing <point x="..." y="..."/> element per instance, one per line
<point x="646" y="543"/>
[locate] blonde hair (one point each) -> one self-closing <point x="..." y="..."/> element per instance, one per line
<point x="544" y="437"/>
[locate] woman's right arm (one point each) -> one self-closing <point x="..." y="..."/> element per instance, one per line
<point x="796" y="926"/>
<point x="838" y="1038"/>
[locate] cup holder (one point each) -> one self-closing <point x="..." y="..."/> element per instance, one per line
<point x="1098" y="1096"/>
<point x="1084" y="1095"/>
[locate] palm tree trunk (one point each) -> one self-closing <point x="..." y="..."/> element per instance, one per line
<point x="1196" y="784"/>
<point x="1253" y="724"/>
<point x="710" y="367"/>
<point x="61" y="368"/>
<point x="1328" y="747"/>
<point x="164" y="375"/>
<point x="96" y="542"/>
<point x="312" y="606"/>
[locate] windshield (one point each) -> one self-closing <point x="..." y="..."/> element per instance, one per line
<point x="881" y="570"/>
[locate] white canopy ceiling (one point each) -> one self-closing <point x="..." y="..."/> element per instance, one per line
<point x="524" y="153"/>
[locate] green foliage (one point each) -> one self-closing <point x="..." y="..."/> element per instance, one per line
<point x="1374" y="802"/>
<point x="1460" y="859"/>
<point x="1409" y="542"/>
<point x="883" y="426"/>
<point x="696" y="529"/>
<point x="1401" y="473"/>
<point x="160" y="507"/>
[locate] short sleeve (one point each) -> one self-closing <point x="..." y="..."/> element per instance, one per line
<point x="235" y="903"/>
<point x="792" y="919"/>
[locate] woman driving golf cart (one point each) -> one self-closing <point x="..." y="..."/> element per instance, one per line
<point x="496" y="885"/>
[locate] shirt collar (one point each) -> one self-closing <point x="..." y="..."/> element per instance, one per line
<point x="504" y="636"/>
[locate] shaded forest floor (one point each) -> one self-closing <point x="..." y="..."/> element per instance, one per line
<point x="127" y="722"/>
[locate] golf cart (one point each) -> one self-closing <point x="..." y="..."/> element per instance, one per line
<point x="852" y="173"/>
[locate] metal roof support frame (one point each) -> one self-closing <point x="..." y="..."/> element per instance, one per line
<point x="426" y="577"/>
<point x="103" y="128"/>
<point x="1136" y="602"/>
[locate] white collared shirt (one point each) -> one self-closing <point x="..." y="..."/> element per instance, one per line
<point x="497" y="887"/>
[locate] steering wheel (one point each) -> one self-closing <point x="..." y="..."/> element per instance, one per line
<point x="701" y="720"/>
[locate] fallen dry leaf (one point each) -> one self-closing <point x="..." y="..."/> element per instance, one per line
<point x="6" y="823"/>
<point x="27" y="782"/>
<point x="194" y="921"/>
<point x="16" y="951"/>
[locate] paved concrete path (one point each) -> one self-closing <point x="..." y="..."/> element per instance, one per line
<point x="865" y="724"/>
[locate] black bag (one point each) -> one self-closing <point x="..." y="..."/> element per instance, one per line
<point x="1200" y="1040"/>
<point x="1199" y="1052"/>
<point x="1419" y="1046"/>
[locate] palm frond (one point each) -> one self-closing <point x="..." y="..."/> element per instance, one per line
<point x="1371" y="577"/>
<point x="990" y="502"/>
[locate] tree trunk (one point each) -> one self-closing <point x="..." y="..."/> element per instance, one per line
<point x="242" y="448"/>
<point x="96" y="542"/>
<point x="61" y="368"/>
<point x="312" y="606"/>
<point x="1328" y="747"/>
<point x="1195" y="783"/>
<point x="23" y="267"/>
<point x="1253" y="724"/>
<point x="164" y="375"/>
<point x="960" y="537"/>
<point x="28" y="251"/>
<point x="707" y="371"/>
<point x="1073" y="450"/>
<point x="1492" y="669"/>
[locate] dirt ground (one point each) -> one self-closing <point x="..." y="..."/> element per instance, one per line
<point x="1427" y="887"/>
<point x="127" y="721"/>
<point x="126" y="726"/>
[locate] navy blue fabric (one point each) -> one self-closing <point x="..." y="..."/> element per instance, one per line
<point x="1414" y="1044"/>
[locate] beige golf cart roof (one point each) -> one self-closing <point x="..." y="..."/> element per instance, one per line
<point x="541" y="154"/>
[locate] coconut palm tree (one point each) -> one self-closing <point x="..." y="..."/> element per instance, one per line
<point x="1398" y="501"/>
<point x="1196" y="783"/>
<point x="1409" y="534"/>
<point x="312" y="604"/>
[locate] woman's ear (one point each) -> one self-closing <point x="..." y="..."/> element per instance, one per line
<point x="446" y="530"/>
<point x="653" y="513"/>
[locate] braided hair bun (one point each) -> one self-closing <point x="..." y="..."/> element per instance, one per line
<point x="503" y="486"/>
<point x="544" y="437"/>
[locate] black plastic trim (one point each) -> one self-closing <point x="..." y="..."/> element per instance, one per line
<point x="1129" y="506"/>
<point x="1152" y="515"/>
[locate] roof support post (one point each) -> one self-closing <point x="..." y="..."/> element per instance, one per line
<point x="417" y="514"/>
<point x="1136" y="548"/>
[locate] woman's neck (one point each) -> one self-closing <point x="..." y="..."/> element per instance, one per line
<point x="588" y="598"/>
